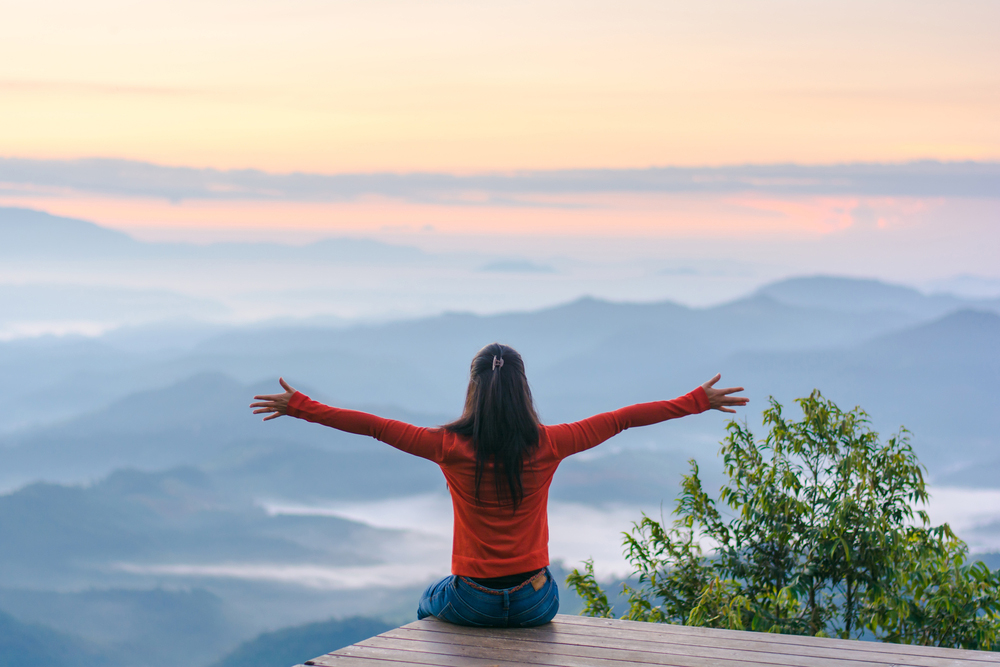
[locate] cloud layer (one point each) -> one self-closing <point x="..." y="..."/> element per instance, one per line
<point x="126" y="178"/>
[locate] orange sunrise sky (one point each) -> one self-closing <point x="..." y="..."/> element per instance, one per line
<point x="385" y="86"/>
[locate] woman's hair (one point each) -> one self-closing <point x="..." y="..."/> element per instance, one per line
<point x="500" y="419"/>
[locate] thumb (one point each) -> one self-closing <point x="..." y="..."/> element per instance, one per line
<point x="285" y="385"/>
<point x="718" y="376"/>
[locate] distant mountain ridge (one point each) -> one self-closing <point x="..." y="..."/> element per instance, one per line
<point x="134" y="478"/>
<point x="31" y="644"/>
<point x="584" y="357"/>
<point x="27" y="232"/>
<point x="295" y="645"/>
<point x="161" y="464"/>
<point x="36" y="235"/>
<point x="859" y="295"/>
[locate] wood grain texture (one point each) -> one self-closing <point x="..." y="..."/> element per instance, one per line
<point x="574" y="641"/>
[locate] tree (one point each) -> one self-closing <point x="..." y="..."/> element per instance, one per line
<point x="814" y="533"/>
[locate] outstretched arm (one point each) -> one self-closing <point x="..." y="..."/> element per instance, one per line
<point x="572" y="438"/>
<point x="423" y="442"/>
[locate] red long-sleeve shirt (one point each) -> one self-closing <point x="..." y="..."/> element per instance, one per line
<point x="489" y="540"/>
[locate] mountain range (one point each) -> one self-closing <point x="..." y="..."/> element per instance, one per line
<point x="145" y="511"/>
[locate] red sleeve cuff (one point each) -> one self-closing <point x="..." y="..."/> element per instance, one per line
<point x="295" y="403"/>
<point x="700" y="399"/>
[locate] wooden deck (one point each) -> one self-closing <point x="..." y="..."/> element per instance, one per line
<point x="574" y="641"/>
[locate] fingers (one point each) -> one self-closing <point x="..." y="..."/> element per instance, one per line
<point x="273" y="405"/>
<point x="733" y="400"/>
<point x="273" y="397"/>
<point x="718" y="399"/>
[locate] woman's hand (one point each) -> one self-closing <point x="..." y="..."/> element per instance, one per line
<point x="718" y="399"/>
<point x="274" y="403"/>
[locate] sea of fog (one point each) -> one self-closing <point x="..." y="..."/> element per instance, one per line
<point x="577" y="532"/>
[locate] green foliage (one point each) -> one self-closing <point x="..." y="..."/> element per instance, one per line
<point x="595" y="600"/>
<point x="814" y="533"/>
<point x="945" y="602"/>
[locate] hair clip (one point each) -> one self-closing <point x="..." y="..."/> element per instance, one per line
<point x="497" y="363"/>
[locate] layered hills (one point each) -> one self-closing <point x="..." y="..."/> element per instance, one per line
<point x="144" y="509"/>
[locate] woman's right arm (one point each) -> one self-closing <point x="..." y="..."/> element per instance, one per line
<point x="423" y="442"/>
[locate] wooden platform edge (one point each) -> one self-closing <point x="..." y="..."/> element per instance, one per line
<point x="638" y="643"/>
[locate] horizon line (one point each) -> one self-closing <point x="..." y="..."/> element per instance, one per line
<point x="136" y="178"/>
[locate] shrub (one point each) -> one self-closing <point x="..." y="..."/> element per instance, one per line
<point x="816" y="533"/>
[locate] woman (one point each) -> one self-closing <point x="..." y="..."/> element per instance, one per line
<point x="498" y="462"/>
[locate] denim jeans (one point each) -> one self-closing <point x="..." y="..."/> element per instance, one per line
<point x="463" y="602"/>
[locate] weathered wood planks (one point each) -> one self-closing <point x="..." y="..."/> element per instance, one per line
<point x="573" y="641"/>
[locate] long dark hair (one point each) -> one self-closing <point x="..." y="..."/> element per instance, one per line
<point x="500" y="419"/>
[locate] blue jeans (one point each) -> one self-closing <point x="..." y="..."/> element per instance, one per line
<point x="464" y="602"/>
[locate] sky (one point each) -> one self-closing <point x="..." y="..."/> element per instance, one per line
<point x="386" y="85"/>
<point x="492" y="90"/>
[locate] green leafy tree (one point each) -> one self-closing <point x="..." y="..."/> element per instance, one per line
<point x="815" y="533"/>
<point x="946" y="601"/>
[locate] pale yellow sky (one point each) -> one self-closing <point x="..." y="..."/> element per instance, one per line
<point x="311" y="85"/>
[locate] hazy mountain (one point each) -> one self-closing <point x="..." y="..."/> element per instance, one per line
<point x="31" y="644"/>
<point x="586" y="355"/>
<point x="121" y="627"/>
<point x="204" y="420"/>
<point x="152" y="430"/>
<point x="68" y="275"/>
<point x="582" y="358"/>
<point x="169" y="467"/>
<point x="58" y="535"/>
<point x="36" y="235"/>
<point x="30" y="234"/>
<point x="576" y="354"/>
<point x="290" y="646"/>
<point x="934" y="379"/>
<point x="174" y="410"/>
<point x="77" y="558"/>
<point x="856" y="295"/>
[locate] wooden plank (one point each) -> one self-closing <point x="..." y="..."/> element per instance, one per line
<point x="375" y="655"/>
<point x="632" y="653"/>
<point x="351" y="661"/>
<point x="625" y="639"/>
<point x="565" y="633"/>
<point x="361" y="656"/>
<point x="848" y="644"/>
<point x="437" y="652"/>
